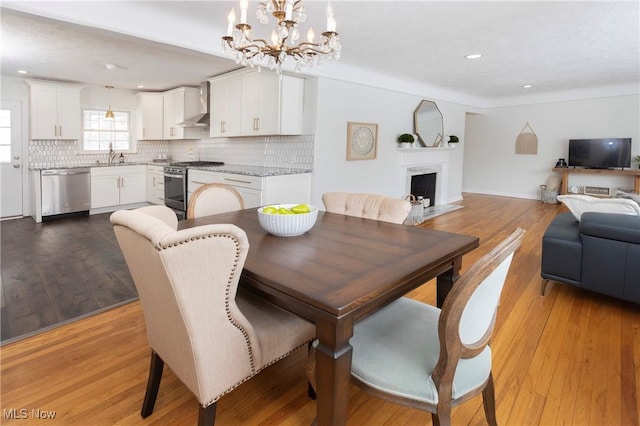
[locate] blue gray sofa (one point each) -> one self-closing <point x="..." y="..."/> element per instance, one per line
<point x="600" y="253"/>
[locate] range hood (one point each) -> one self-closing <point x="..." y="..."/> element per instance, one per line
<point x="202" y="119"/>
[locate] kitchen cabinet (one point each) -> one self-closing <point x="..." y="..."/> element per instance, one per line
<point x="119" y="185"/>
<point x="257" y="191"/>
<point x="225" y="106"/>
<point x="269" y="104"/>
<point x="250" y="187"/>
<point x="55" y="111"/>
<point x="180" y="104"/>
<point x="149" y="116"/>
<point x="155" y="185"/>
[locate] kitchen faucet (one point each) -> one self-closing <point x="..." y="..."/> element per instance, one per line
<point x="112" y="154"/>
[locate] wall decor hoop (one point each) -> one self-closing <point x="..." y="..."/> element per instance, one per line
<point x="362" y="141"/>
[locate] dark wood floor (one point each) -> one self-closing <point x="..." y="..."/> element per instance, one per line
<point x="56" y="271"/>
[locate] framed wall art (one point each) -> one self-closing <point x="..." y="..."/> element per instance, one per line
<point x="362" y="141"/>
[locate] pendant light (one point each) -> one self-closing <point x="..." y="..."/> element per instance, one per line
<point x="109" y="113"/>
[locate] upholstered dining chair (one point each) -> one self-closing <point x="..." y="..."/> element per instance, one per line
<point x="213" y="198"/>
<point x="368" y="206"/>
<point x="422" y="357"/>
<point x="213" y="335"/>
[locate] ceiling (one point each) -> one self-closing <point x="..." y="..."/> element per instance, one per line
<point x="414" y="46"/>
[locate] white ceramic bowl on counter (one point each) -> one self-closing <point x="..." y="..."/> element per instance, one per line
<point x="287" y="225"/>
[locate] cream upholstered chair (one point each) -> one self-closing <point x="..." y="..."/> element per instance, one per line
<point x="213" y="335"/>
<point x="417" y="355"/>
<point x="213" y="198"/>
<point x="368" y="206"/>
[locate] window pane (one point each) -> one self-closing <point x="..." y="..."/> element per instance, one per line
<point x="5" y="154"/>
<point x="99" y="131"/>
<point x="91" y="145"/>
<point x="5" y="118"/>
<point x="5" y="136"/>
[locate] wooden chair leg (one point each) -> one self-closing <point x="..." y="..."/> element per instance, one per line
<point x="153" y="384"/>
<point x="435" y="420"/>
<point x="489" y="402"/>
<point x="207" y="415"/>
<point x="311" y="371"/>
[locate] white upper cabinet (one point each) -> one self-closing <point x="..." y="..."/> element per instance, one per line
<point x="180" y="104"/>
<point x="225" y="106"/>
<point x="150" y="116"/>
<point x="269" y="104"/>
<point x="55" y="111"/>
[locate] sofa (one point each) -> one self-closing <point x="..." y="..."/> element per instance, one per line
<point x="599" y="252"/>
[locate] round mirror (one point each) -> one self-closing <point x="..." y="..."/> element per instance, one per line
<point x="427" y="121"/>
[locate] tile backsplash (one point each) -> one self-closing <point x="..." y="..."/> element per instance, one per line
<point x="64" y="153"/>
<point x="295" y="152"/>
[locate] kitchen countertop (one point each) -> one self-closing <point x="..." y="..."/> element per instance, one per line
<point x="239" y="169"/>
<point x="252" y="170"/>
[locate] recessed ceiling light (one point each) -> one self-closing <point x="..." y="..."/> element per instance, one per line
<point x="527" y="86"/>
<point x="22" y="72"/>
<point x="474" y="56"/>
<point x="140" y="86"/>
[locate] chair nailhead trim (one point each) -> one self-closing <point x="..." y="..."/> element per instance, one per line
<point x="227" y="303"/>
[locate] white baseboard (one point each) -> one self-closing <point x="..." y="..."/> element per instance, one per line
<point x="501" y="194"/>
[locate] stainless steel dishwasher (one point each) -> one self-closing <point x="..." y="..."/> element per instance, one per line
<point x="65" y="190"/>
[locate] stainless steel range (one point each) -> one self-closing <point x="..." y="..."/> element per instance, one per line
<point x="175" y="184"/>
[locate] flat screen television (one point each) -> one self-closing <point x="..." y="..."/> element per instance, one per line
<point x="605" y="153"/>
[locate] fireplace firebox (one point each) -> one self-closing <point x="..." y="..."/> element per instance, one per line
<point x="424" y="186"/>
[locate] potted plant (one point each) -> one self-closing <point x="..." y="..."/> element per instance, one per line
<point x="637" y="160"/>
<point x="406" y="138"/>
<point x="453" y="139"/>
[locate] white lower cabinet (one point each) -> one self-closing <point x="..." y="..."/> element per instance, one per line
<point x="120" y="185"/>
<point x="155" y="185"/>
<point x="257" y="191"/>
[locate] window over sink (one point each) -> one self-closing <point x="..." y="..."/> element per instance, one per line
<point x="98" y="131"/>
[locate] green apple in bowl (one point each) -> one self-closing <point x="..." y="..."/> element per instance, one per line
<point x="287" y="220"/>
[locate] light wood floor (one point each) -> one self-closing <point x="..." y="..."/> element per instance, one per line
<point x="572" y="357"/>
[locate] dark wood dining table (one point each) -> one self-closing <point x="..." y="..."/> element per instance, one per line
<point x="344" y="268"/>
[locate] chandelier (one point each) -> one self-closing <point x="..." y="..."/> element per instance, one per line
<point x="241" y="45"/>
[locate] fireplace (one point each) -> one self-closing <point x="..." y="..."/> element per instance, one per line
<point x="433" y="163"/>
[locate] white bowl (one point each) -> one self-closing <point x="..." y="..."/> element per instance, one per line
<point x="287" y="225"/>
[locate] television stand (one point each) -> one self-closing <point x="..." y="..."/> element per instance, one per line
<point x="565" y="171"/>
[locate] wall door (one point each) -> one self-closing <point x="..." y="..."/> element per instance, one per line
<point x="10" y="159"/>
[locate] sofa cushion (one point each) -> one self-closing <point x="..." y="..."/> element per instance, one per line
<point x="619" y="227"/>
<point x="578" y="204"/>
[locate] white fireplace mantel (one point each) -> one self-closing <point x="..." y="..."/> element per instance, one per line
<point x="423" y="161"/>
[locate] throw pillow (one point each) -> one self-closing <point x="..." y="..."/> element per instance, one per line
<point x="578" y="204"/>
<point x="628" y="196"/>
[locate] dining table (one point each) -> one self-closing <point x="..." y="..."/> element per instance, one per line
<point x="341" y="270"/>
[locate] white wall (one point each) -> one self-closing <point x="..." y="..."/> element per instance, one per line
<point x="492" y="167"/>
<point x="340" y="102"/>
